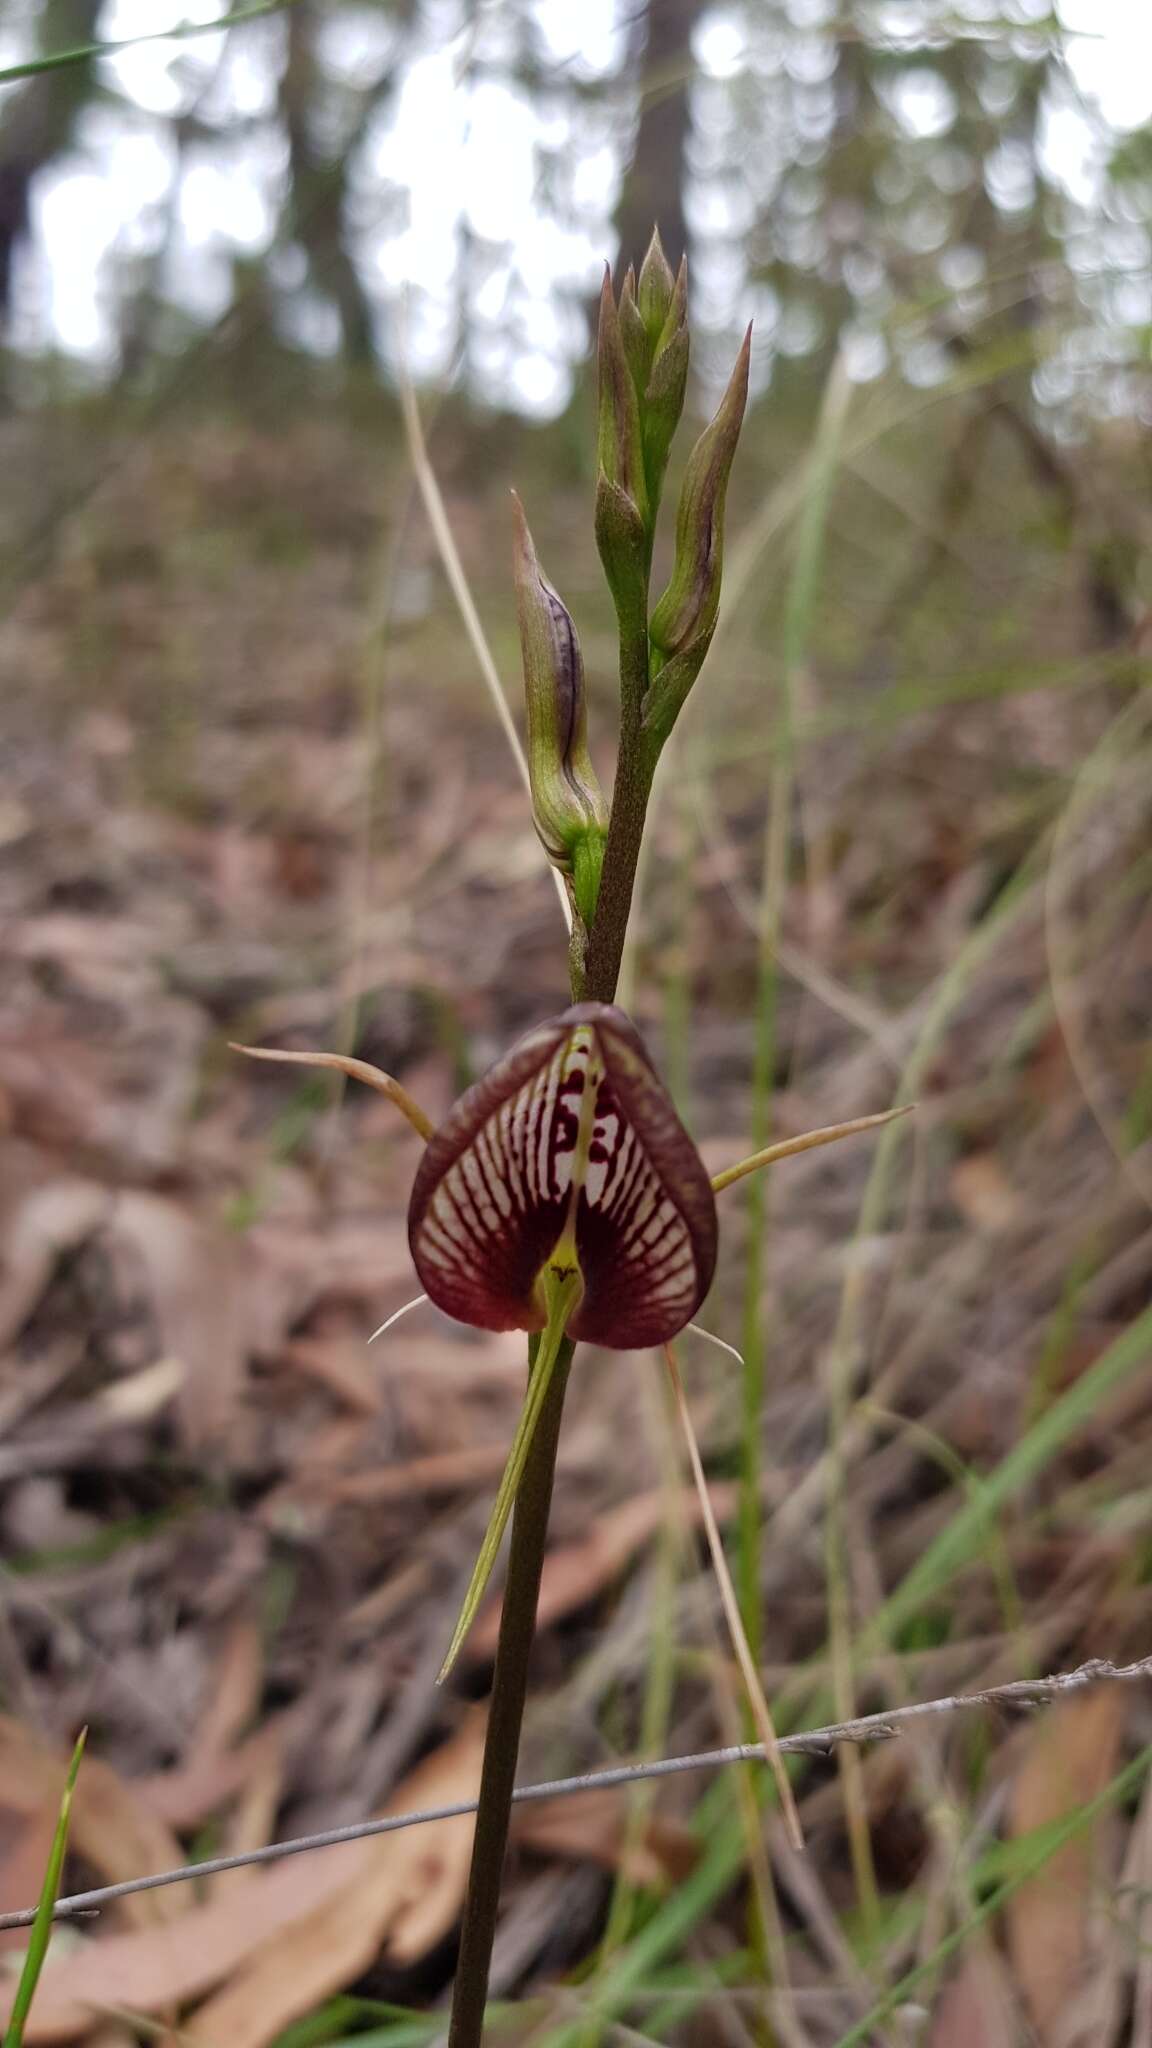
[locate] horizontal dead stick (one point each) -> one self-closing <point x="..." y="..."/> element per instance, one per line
<point x="1018" y="1692"/>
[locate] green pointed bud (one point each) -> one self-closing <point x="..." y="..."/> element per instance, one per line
<point x="620" y="447"/>
<point x="655" y="289"/>
<point x="623" y="544"/>
<point x="567" y="805"/>
<point x="663" y="400"/>
<point x="668" y="691"/>
<point x="633" y="333"/>
<point x="688" y="608"/>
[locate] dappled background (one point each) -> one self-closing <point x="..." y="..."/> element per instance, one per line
<point x="254" y="789"/>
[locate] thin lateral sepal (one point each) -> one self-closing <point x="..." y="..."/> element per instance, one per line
<point x="757" y="1703"/>
<point x="808" y="1141"/>
<point x="356" y="1070"/>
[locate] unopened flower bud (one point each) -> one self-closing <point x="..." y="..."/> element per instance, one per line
<point x="620" y="447"/>
<point x="663" y="398"/>
<point x="633" y="333"/>
<point x="688" y="608"/>
<point x="670" y="686"/>
<point x="568" y="807"/>
<point x="622" y="540"/>
<point x="654" y="290"/>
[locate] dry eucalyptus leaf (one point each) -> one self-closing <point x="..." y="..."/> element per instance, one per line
<point x="291" y="1935"/>
<point x="113" y="1828"/>
<point x="403" y="1898"/>
<point x="1070" y="1759"/>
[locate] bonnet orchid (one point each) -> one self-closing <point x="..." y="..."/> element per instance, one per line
<point x="562" y="1196"/>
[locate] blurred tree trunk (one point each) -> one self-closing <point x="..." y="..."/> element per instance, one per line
<point x="319" y="184"/>
<point x="653" y="194"/>
<point x="38" y="124"/>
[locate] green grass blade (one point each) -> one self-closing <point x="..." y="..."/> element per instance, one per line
<point x="42" y="1925"/>
<point x="83" y="53"/>
<point x="1047" y="1841"/>
<point x="964" y="1537"/>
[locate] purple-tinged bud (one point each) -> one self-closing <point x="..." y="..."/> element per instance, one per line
<point x="568" y="807"/>
<point x="620" y="446"/>
<point x="687" y="610"/>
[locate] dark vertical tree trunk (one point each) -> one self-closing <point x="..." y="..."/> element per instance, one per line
<point x="319" y="184"/>
<point x="653" y="194"/>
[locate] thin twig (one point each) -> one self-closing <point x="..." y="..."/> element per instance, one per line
<point x="757" y="1704"/>
<point x="458" y="583"/>
<point x="1018" y="1692"/>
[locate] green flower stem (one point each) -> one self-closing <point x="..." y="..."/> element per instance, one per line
<point x="545" y="1357"/>
<point x="509" y="1689"/>
<point x="635" y="768"/>
<point x="595" y="981"/>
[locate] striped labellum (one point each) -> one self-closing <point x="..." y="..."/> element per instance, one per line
<point x="567" y="1159"/>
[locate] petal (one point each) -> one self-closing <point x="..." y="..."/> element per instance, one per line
<point x="646" y="1225"/>
<point x="493" y="1191"/>
<point x="487" y="1203"/>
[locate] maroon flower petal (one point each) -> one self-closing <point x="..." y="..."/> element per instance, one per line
<point x="494" y="1190"/>
<point x="646" y="1224"/>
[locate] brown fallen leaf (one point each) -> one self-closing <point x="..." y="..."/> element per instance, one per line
<point x="151" y="1970"/>
<point x="191" y="1792"/>
<point x="1070" y="1759"/>
<point x="595" y="1828"/>
<point x="200" y="1282"/>
<point x="25" y="1845"/>
<point x="575" y="1573"/>
<point x="253" y="1821"/>
<point x="441" y="1472"/>
<point x="983" y="1192"/>
<point x="975" y="2009"/>
<point x="48" y="1222"/>
<point x="231" y="1704"/>
<point x="113" y="1828"/>
<point x="404" y="1898"/>
<point x="342" y="1365"/>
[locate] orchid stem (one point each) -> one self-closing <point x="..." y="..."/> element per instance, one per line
<point x="506" y="1713"/>
<point x="545" y="1357"/>
<point x="594" y="981"/>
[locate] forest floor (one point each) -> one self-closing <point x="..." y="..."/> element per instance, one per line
<point x="254" y="791"/>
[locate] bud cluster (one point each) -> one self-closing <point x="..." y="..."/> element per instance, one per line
<point x="642" y="353"/>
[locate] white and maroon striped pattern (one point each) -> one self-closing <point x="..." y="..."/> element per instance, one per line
<point x="495" y="1190"/>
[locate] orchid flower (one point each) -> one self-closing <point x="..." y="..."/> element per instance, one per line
<point x="562" y="1196"/>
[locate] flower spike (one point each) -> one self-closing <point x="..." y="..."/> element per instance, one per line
<point x="567" y="1159"/>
